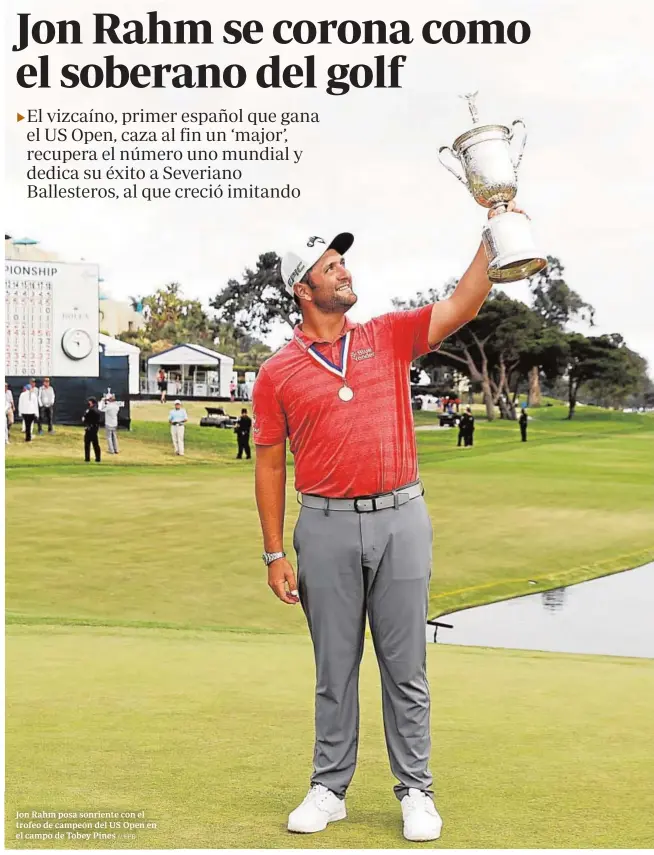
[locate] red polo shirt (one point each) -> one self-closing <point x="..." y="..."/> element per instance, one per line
<point x="345" y="448"/>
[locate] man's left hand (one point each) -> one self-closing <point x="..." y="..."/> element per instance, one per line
<point x="510" y="207"/>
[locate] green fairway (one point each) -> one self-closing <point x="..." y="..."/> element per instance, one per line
<point x="150" y="668"/>
<point x="176" y="540"/>
<point x="211" y="735"/>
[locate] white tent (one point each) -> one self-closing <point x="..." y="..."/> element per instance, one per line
<point x="192" y="371"/>
<point x="116" y="347"/>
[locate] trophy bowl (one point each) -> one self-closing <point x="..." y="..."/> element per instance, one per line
<point x="485" y="160"/>
<point x="485" y="156"/>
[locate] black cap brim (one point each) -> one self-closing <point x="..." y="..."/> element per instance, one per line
<point x="342" y="242"/>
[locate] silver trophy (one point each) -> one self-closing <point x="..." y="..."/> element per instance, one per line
<point x="485" y="159"/>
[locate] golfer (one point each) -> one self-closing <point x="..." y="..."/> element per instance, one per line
<point x="340" y="392"/>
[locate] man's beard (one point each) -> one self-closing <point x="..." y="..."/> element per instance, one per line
<point x="340" y="301"/>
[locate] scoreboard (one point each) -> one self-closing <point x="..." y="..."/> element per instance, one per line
<point x="51" y="319"/>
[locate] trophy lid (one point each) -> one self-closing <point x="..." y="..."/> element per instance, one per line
<point x="480" y="133"/>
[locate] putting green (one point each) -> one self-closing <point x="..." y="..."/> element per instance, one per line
<point x="211" y="735"/>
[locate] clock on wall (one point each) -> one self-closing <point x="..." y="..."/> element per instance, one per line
<point x="76" y="343"/>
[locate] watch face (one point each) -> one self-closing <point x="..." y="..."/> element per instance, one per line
<point x="77" y="343"/>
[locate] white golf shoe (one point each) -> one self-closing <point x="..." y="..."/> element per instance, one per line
<point x="421" y="819"/>
<point x="319" y="808"/>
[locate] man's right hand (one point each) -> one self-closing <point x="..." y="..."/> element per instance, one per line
<point x="281" y="580"/>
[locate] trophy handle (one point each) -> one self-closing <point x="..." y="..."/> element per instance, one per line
<point x="516" y="156"/>
<point x="455" y="172"/>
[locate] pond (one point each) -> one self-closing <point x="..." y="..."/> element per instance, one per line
<point x="613" y="616"/>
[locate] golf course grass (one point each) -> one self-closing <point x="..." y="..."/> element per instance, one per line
<point x="150" y="668"/>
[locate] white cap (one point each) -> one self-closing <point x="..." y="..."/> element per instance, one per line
<point x="177" y="401"/>
<point x="296" y="263"/>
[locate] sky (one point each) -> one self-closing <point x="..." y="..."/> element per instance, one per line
<point x="582" y="84"/>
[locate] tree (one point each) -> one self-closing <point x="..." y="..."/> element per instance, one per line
<point x="603" y="362"/>
<point x="255" y="303"/>
<point x="626" y="378"/>
<point x="557" y="305"/>
<point x="488" y="349"/>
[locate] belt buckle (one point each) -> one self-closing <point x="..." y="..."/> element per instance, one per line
<point x="373" y="505"/>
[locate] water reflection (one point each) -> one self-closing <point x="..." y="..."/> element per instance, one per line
<point x="611" y="615"/>
<point x="554" y="600"/>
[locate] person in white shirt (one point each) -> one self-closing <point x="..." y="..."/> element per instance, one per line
<point x="34" y="389"/>
<point x="9" y="408"/>
<point x="110" y="406"/>
<point x="28" y="409"/>
<point x="177" y="418"/>
<point x="46" y="405"/>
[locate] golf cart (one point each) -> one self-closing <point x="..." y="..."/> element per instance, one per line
<point x="217" y="417"/>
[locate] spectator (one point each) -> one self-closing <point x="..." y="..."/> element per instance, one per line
<point x="468" y="436"/>
<point x="110" y="407"/>
<point x="522" y="421"/>
<point x="91" y="419"/>
<point x="242" y="431"/>
<point x="7" y="411"/>
<point x="10" y="409"/>
<point x="34" y="389"/>
<point x="463" y="424"/>
<point x="46" y="405"/>
<point x="177" y="419"/>
<point x="232" y="390"/>
<point x="162" y="384"/>
<point x="28" y="409"/>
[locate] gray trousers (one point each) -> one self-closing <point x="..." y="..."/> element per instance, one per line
<point x="112" y="440"/>
<point x="349" y="565"/>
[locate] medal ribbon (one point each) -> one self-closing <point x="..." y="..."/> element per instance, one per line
<point x="328" y="364"/>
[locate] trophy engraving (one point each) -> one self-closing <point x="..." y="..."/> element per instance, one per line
<point x="485" y="159"/>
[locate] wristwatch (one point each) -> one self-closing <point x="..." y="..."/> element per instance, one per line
<point x="269" y="557"/>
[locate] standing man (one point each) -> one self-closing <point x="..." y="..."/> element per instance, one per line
<point x="463" y="429"/>
<point x="28" y="409"/>
<point x="469" y="433"/>
<point x="242" y="431"/>
<point x="36" y="392"/>
<point x="110" y="407"/>
<point x="177" y="418"/>
<point x="522" y="421"/>
<point x="10" y="409"/>
<point x="91" y="419"/>
<point x="46" y="404"/>
<point x="340" y="392"/>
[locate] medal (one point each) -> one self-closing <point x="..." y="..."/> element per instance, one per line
<point x="344" y="393"/>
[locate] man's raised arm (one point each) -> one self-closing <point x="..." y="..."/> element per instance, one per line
<point x="467" y="298"/>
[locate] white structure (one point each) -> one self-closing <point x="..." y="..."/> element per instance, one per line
<point x="192" y="371"/>
<point x="115" y="347"/>
<point x="51" y="317"/>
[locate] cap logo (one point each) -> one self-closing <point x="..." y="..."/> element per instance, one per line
<point x="312" y="240"/>
<point x="295" y="273"/>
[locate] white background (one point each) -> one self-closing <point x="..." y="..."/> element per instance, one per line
<point x="582" y="83"/>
